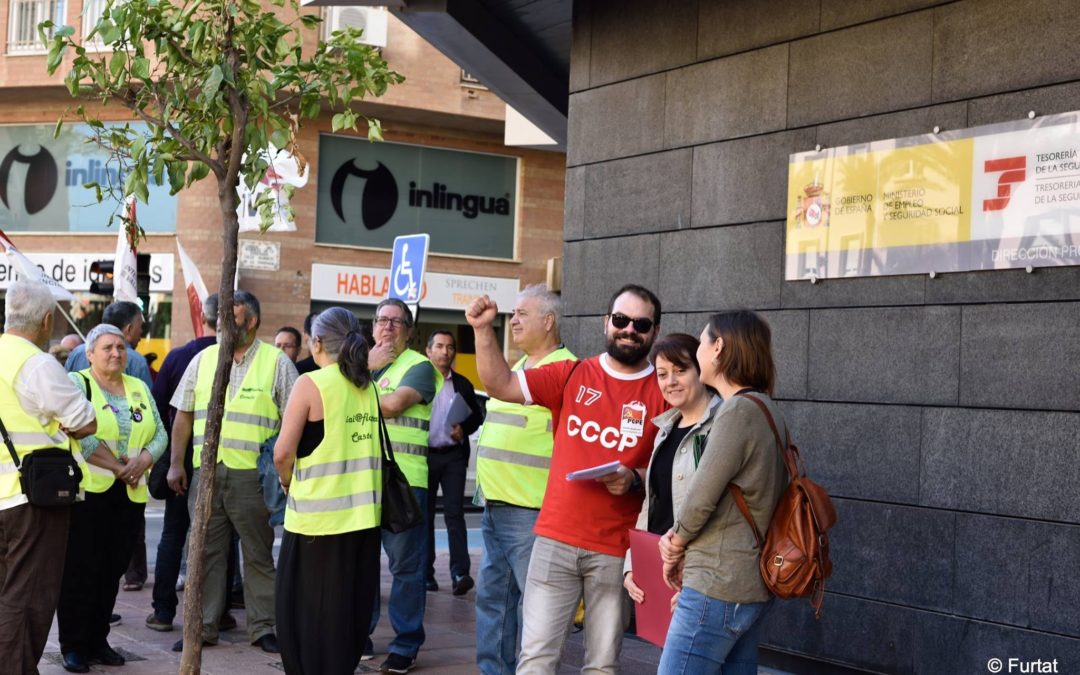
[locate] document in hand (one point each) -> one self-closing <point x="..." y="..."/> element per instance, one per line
<point x="653" y="615"/>
<point x="459" y="410"/>
<point x="594" y="472"/>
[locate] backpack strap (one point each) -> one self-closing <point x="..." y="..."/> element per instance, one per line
<point x="10" y="446"/>
<point x="740" y="501"/>
<point x="789" y="461"/>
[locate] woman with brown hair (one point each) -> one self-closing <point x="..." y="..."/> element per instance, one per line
<point x="710" y="553"/>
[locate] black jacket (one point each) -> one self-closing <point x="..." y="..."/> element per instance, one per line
<point x="468" y="392"/>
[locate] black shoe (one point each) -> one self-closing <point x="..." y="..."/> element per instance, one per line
<point x="432" y="585"/>
<point x="75" y="663"/>
<point x="179" y="645"/>
<point x="369" y="651"/>
<point x="107" y="656"/>
<point x="397" y="663"/>
<point x="226" y="622"/>
<point x="114" y="619"/>
<point x="268" y="643"/>
<point x="463" y="584"/>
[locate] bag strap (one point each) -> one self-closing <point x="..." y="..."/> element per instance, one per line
<point x="86" y="383"/>
<point x="9" y="444"/>
<point x="740" y="501"/>
<point x="384" y="435"/>
<point x="791" y="458"/>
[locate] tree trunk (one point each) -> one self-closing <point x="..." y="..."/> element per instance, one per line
<point x="191" y="659"/>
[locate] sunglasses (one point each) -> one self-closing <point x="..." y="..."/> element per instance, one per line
<point x="621" y="321"/>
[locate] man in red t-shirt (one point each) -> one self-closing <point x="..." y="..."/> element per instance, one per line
<point x="600" y="409"/>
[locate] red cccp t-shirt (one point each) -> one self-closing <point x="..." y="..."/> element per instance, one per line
<point x="599" y="415"/>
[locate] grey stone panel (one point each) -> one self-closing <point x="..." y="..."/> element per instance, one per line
<point x="581" y="45"/>
<point x="569" y="327"/>
<point x="721" y="268"/>
<point x="595" y="134"/>
<point x="1000" y="45"/>
<point x="589" y="338"/>
<point x="958" y="645"/>
<point x="868" y="291"/>
<point x="852" y="631"/>
<point x="1018" y="572"/>
<point x="574" y="209"/>
<point x="867" y="69"/>
<point x="885" y="355"/>
<point x="790" y="338"/>
<point x="1044" y="283"/>
<point x="1016" y="105"/>
<point x="745" y="180"/>
<point x="594" y="269"/>
<point x="1021" y="356"/>
<point x="859" y="451"/>
<point x="872" y="542"/>
<point x="639" y="194"/>
<point x="725" y="98"/>
<point x="839" y="13"/>
<point x="729" y="26"/>
<point x="637" y="37"/>
<point x="893" y="125"/>
<point x="1004" y="462"/>
<point x="672" y="322"/>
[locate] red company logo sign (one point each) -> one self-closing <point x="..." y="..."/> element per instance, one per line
<point x="1012" y="170"/>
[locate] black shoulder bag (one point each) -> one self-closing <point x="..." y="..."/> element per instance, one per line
<point x="49" y="476"/>
<point x="400" y="510"/>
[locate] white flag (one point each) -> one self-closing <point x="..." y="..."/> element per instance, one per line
<point x="125" y="270"/>
<point x="31" y="271"/>
<point x="194" y="286"/>
<point x="284" y="169"/>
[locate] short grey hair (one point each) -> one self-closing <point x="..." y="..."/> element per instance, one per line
<point x="101" y="330"/>
<point x="400" y="305"/>
<point x="27" y="302"/>
<point x="550" y="303"/>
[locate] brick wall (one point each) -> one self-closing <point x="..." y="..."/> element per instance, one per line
<point x="941" y="413"/>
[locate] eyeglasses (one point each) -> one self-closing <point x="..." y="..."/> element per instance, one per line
<point x="390" y="322"/>
<point x="621" y="321"/>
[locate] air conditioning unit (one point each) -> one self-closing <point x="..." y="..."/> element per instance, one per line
<point x="371" y="20"/>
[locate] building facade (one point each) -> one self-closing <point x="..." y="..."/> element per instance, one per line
<point x="494" y="212"/>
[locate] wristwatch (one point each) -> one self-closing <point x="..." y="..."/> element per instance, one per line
<point x="637" y="485"/>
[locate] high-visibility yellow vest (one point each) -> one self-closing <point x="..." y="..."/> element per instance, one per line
<point x="513" y="455"/>
<point x="143" y="428"/>
<point x="409" y="430"/>
<point x="26" y="432"/>
<point x="338" y="487"/>
<point x="251" y="417"/>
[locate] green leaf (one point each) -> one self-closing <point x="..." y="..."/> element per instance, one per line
<point x="59" y="125"/>
<point x="337" y="122"/>
<point x="117" y="62"/>
<point x="374" y="129"/>
<point x="108" y="31"/>
<point x="213" y="83"/>
<point x="198" y="172"/>
<point x="140" y="67"/>
<point x="65" y="31"/>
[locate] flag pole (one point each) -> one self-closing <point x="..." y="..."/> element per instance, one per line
<point x="70" y="322"/>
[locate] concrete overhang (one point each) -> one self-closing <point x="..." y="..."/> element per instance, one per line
<point x="519" y="49"/>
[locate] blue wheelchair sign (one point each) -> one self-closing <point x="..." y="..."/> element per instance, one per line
<point x="407" y="267"/>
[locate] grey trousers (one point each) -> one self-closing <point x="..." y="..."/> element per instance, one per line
<point x="238" y="504"/>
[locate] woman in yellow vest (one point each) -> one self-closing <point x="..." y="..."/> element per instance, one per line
<point x="330" y="465"/>
<point x="104" y="527"/>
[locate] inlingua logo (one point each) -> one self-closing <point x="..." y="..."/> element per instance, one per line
<point x="379" y="199"/>
<point x="41" y="177"/>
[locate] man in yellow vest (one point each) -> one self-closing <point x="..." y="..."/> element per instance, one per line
<point x="40" y="407"/>
<point x="259" y="385"/>
<point x="512" y="461"/>
<point x="407" y="385"/>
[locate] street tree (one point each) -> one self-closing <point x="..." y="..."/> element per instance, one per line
<point x="215" y="84"/>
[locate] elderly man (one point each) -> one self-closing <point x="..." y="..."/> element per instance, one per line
<point x="602" y="407"/>
<point x="259" y="384"/>
<point x="39" y="407"/>
<point x="407" y="385"/>
<point x="513" y="456"/>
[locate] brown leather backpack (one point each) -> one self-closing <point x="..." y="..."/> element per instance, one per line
<point x="795" y="551"/>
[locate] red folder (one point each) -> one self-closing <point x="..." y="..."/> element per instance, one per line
<point x="653" y="615"/>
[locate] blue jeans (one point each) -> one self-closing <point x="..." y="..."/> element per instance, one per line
<point x="508" y="542"/>
<point x="407" y="553"/>
<point x="712" y="636"/>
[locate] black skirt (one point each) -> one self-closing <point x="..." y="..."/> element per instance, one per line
<point x="325" y="589"/>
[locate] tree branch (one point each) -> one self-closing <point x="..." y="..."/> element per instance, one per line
<point x="128" y="98"/>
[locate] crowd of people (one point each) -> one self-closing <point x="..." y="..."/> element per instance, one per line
<point x="306" y="441"/>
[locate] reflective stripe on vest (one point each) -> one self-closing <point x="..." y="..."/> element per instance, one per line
<point x="513" y="455"/>
<point x="409" y="431"/>
<point x="251" y="417"/>
<point x="338" y="487"/>
<point x="26" y="432"/>
<point x="97" y="479"/>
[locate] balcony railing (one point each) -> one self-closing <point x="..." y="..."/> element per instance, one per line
<point x="23" y="19"/>
<point x="91" y="14"/>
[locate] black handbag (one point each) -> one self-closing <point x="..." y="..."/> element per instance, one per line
<point x="400" y="510"/>
<point x="49" y="476"/>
